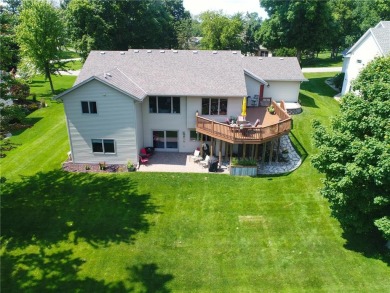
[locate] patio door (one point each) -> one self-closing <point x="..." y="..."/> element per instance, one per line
<point x="166" y="140"/>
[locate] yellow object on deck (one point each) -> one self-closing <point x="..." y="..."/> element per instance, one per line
<point x="243" y="110"/>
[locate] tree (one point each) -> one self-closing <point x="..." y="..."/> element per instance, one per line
<point x="9" y="49"/>
<point x="252" y="24"/>
<point x="302" y="25"/>
<point x="221" y="32"/>
<point x="354" y="154"/>
<point x="40" y="35"/>
<point x="120" y="25"/>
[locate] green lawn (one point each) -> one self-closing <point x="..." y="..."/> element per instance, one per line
<point x="323" y="60"/>
<point x="169" y="232"/>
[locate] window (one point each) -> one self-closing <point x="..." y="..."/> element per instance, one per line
<point x="212" y="106"/>
<point x="164" y="105"/>
<point x="193" y="135"/>
<point x="89" y="107"/>
<point x="105" y="146"/>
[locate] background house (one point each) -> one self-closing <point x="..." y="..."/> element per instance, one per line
<point x="123" y="101"/>
<point x="374" y="43"/>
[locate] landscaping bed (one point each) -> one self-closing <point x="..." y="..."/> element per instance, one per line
<point x="93" y="168"/>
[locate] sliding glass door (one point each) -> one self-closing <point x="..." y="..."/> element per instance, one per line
<point x="165" y="140"/>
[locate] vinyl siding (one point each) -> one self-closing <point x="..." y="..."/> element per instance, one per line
<point x="287" y="91"/>
<point x="365" y="52"/>
<point x="116" y="119"/>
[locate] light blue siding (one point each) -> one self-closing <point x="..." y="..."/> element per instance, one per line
<point x="116" y="119"/>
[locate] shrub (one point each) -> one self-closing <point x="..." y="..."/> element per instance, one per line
<point x="243" y="162"/>
<point x="338" y="80"/>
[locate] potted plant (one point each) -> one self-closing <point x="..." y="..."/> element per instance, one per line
<point x="102" y="166"/>
<point x="233" y="119"/>
<point x="130" y="166"/>
<point x="271" y="109"/>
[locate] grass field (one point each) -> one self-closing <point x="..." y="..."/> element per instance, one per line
<point x="170" y="232"/>
<point x="323" y="60"/>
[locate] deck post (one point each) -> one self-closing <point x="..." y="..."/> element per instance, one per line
<point x="263" y="155"/>
<point x="271" y="151"/>
<point x="212" y="147"/>
<point x="256" y="152"/>
<point x="252" y="151"/>
<point x="220" y="153"/>
<point x="277" y="150"/>
<point x="243" y="150"/>
<point x="231" y="152"/>
<point x="201" y="145"/>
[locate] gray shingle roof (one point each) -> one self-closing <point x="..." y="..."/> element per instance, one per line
<point x="382" y="37"/>
<point x="274" y="68"/>
<point x="381" y="34"/>
<point x="184" y="72"/>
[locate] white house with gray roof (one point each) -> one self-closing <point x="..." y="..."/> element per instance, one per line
<point x="124" y="101"/>
<point x="374" y="43"/>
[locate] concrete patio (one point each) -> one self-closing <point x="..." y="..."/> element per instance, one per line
<point x="182" y="163"/>
<point x="176" y="162"/>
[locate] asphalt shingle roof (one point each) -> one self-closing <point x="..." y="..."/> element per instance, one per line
<point x="184" y="72"/>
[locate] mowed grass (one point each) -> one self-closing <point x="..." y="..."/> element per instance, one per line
<point x="45" y="145"/>
<point x="323" y="60"/>
<point x="170" y="232"/>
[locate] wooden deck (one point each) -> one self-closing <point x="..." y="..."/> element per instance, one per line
<point x="270" y="127"/>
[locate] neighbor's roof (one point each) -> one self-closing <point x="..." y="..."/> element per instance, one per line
<point x="380" y="33"/>
<point x="185" y="72"/>
<point x="274" y="68"/>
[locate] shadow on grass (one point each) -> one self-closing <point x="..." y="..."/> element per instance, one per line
<point x="370" y="245"/>
<point x="307" y="101"/>
<point x="317" y="85"/>
<point x="50" y="207"/>
<point x="146" y="279"/>
<point x="58" y="272"/>
<point x="299" y="148"/>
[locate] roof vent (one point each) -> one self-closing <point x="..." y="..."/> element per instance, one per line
<point x="234" y="52"/>
<point x="136" y="51"/>
<point x="260" y="58"/>
<point x="281" y="58"/>
<point x="215" y="52"/>
<point x="149" y="51"/>
<point x="122" y="53"/>
<point x="109" y="74"/>
<point x="162" y="51"/>
<point x="102" y="53"/>
<point x="195" y="52"/>
<point x="174" y="51"/>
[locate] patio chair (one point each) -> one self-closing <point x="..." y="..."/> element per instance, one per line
<point x="196" y="157"/>
<point x="142" y="160"/>
<point x="205" y="162"/>
<point x="145" y="153"/>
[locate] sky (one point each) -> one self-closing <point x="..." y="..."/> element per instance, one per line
<point x="227" y="6"/>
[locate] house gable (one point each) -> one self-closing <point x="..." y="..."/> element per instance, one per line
<point x="115" y="120"/>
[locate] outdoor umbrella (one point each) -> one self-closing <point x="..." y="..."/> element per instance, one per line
<point x="243" y="110"/>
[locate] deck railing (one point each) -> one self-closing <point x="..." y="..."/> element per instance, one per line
<point x="250" y="135"/>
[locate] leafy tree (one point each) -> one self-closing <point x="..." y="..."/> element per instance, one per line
<point x="252" y="24"/>
<point x="88" y="30"/>
<point x="343" y="26"/>
<point x="119" y="25"/>
<point x="302" y="25"/>
<point x="40" y="35"/>
<point x="355" y="154"/>
<point x="184" y="33"/>
<point x="9" y="49"/>
<point x="221" y="32"/>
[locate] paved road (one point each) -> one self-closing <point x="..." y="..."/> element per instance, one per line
<point x="321" y="69"/>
